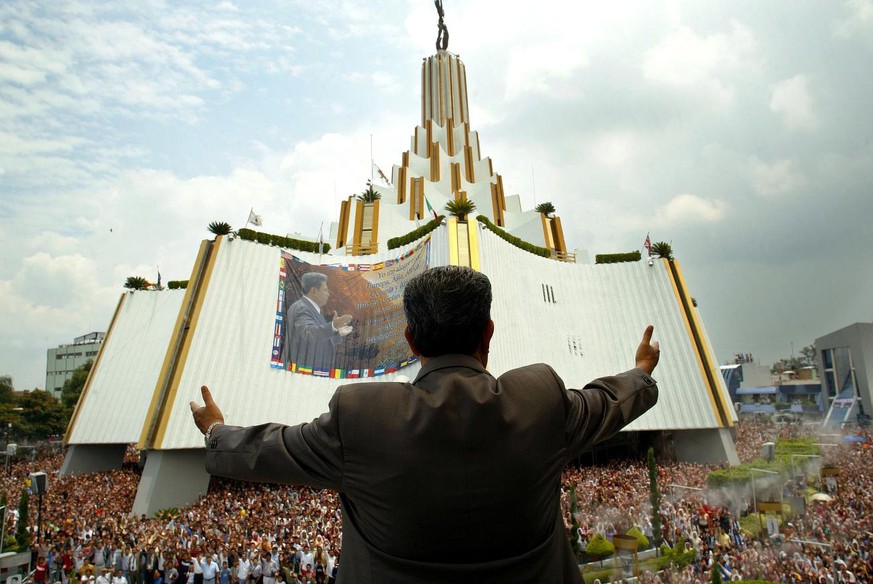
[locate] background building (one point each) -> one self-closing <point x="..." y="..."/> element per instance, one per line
<point x="63" y="360"/>
<point x="845" y="358"/>
<point x="754" y="389"/>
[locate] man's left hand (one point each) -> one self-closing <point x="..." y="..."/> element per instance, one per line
<point x="207" y="413"/>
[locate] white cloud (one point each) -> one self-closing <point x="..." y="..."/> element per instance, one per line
<point x="614" y="149"/>
<point x="792" y="101"/>
<point x="689" y="208"/>
<point x="777" y="178"/>
<point x="536" y="69"/>
<point x="858" y="22"/>
<point x="55" y="281"/>
<point x="695" y="64"/>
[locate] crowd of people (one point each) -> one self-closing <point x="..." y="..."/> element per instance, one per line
<point x="242" y="533"/>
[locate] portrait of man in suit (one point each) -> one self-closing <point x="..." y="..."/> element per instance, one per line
<point x="310" y="336"/>
<point x="454" y="476"/>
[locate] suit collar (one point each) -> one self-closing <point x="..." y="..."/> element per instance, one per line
<point x="447" y="361"/>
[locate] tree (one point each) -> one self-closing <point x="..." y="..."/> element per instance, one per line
<point x="808" y="355"/>
<point x="22" y="536"/>
<point x="219" y="228"/>
<point x="807" y="359"/>
<point x="460" y="208"/>
<point x="73" y="386"/>
<point x="136" y="283"/>
<point x="547" y="209"/>
<point x="662" y="249"/>
<point x="715" y="574"/>
<point x="642" y="541"/>
<point x="654" y="498"/>
<point x="574" y="527"/>
<point x="600" y="547"/>
<point x="371" y="195"/>
<point x="6" y="388"/>
<point x="42" y="415"/>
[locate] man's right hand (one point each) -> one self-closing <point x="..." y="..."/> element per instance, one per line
<point x="648" y="353"/>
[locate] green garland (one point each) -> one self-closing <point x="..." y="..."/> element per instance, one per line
<point x="281" y="241"/>
<point x="415" y="234"/>
<point x="511" y="239"/>
<point x="617" y="258"/>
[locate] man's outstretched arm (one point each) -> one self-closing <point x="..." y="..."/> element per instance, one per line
<point x="305" y="454"/>
<point x="606" y="405"/>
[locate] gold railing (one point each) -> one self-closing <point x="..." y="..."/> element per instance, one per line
<point x="362" y="249"/>
<point x="563" y="256"/>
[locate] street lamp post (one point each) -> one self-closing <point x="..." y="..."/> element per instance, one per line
<point x="754" y="494"/>
<point x="674" y="486"/>
<point x="3" y="529"/>
<point x="752" y="480"/>
<point x="793" y="456"/>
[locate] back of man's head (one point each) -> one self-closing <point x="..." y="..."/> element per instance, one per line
<point x="447" y="310"/>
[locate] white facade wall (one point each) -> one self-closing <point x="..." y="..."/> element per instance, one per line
<point x="593" y="327"/>
<point x="115" y="402"/>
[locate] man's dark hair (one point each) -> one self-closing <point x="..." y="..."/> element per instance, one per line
<point x="311" y="280"/>
<point x="447" y="309"/>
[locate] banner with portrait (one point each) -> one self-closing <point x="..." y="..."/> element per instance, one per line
<point x="344" y="321"/>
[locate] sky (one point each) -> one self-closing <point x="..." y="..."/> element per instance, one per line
<point x="738" y="131"/>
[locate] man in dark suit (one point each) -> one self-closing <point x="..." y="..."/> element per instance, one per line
<point x="454" y="477"/>
<point x="311" y="338"/>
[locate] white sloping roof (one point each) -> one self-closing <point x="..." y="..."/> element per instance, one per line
<point x="116" y="400"/>
<point x="585" y="321"/>
<point x="593" y="327"/>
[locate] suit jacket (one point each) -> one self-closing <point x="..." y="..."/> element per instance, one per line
<point x="310" y="338"/>
<point x="454" y="477"/>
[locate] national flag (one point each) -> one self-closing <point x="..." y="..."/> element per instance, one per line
<point x="381" y="174"/>
<point x="363" y="267"/>
<point x="378" y="266"/>
<point x="648" y="244"/>
<point x="429" y="208"/>
<point x="353" y="373"/>
<point x="255" y="219"/>
<point x="293" y="367"/>
<point x="379" y="371"/>
<point x="337" y="374"/>
<point x="391" y="368"/>
<point x="304" y="370"/>
<point x="321" y="373"/>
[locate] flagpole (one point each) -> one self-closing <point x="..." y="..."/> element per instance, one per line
<point x="320" y="241"/>
<point x="249" y="217"/>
